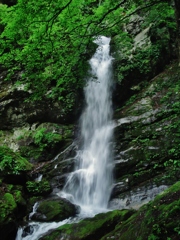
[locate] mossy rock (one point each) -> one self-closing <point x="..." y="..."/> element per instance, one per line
<point x="91" y="228"/>
<point x="38" y="188"/>
<point x="7" y="207"/>
<point x="55" y="210"/>
<point x="10" y="211"/>
<point x="12" y="163"/>
<point x="158" y="220"/>
<point x="12" y="203"/>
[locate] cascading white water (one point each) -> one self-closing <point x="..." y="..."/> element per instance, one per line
<point x="90" y="183"/>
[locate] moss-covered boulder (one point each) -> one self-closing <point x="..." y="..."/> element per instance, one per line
<point x="8" y="207"/>
<point x="91" y="228"/>
<point x="55" y="210"/>
<point x="158" y="220"/>
<point x="12" y="209"/>
<point x="13" y="167"/>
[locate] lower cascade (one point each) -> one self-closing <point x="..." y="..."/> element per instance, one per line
<point x="89" y="185"/>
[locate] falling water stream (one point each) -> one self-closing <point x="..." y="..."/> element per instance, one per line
<point x="89" y="185"/>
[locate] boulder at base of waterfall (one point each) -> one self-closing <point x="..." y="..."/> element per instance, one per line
<point x="90" y="228"/>
<point x="55" y="210"/>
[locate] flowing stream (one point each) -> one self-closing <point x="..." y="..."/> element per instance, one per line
<point x="89" y="186"/>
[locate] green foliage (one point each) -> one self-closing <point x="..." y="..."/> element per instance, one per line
<point x="42" y="41"/>
<point x="12" y="163"/>
<point x="38" y="188"/>
<point x="42" y="137"/>
<point x="161" y="14"/>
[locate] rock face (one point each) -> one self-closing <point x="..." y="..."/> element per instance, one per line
<point x="17" y="110"/>
<point x="147" y="140"/>
<point x="29" y="132"/>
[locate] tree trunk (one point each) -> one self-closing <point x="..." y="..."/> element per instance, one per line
<point x="177" y="9"/>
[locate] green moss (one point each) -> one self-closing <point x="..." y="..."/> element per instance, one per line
<point x="9" y="199"/>
<point x="7" y="207"/>
<point x="19" y="198"/>
<point x="51" y="209"/>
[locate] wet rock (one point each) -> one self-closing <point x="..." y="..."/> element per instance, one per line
<point x="136" y="197"/>
<point x="28" y="230"/>
<point x="56" y="170"/>
<point x="119" y="188"/>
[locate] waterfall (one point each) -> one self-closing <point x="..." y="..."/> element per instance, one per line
<point x="90" y="183"/>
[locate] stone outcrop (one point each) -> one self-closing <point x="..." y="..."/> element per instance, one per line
<point x="18" y="111"/>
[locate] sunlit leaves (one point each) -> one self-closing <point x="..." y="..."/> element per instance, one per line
<point x="50" y="41"/>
